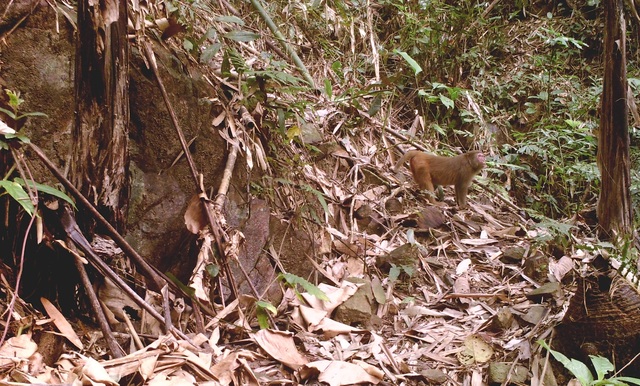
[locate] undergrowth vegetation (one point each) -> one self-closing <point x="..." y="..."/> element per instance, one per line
<point x="471" y="76"/>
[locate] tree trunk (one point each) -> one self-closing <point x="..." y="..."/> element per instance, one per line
<point x="614" y="205"/>
<point x="100" y="158"/>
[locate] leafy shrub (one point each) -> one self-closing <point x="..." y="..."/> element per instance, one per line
<point x="555" y="167"/>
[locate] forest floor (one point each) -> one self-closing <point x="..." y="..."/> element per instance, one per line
<point x="455" y="296"/>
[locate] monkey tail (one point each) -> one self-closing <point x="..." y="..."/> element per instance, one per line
<point x="406" y="157"/>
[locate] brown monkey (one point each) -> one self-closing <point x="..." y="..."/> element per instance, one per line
<point x="432" y="170"/>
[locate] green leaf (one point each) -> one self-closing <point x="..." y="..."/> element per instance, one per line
<point x="414" y="65"/>
<point x="292" y="280"/>
<point x="14" y="99"/>
<point x="410" y="270"/>
<point x="230" y="19"/>
<point x="209" y="52"/>
<point x="328" y="90"/>
<point x="33" y="114"/>
<point x="225" y="67"/>
<point x="213" y="270"/>
<point x="635" y="381"/>
<point x="242" y="36"/>
<point x="263" y="318"/>
<point x="447" y="102"/>
<point x="319" y="196"/>
<point x="237" y="61"/>
<point x="336" y="67"/>
<point x="261" y="313"/>
<point x="267" y="306"/>
<point x="602" y="366"/>
<point x="187" y="45"/>
<point x="293" y="132"/>
<point x="9" y="113"/>
<point x="21" y="137"/>
<point x="190" y="291"/>
<point x="577" y="368"/>
<point x="18" y="193"/>
<point x="212" y="33"/>
<point x="48" y="190"/>
<point x="376" y="104"/>
<point x="394" y="273"/>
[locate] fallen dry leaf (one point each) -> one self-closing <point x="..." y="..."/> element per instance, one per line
<point x="61" y="323"/>
<point x="560" y="268"/>
<point x="317" y="320"/>
<point x="475" y="350"/>
<point x="337" y="373"/>
<point x="16" y="348"/>
<point x="281" y="347"/>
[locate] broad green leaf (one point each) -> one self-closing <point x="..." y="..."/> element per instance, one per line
<point x="635" y="381"/>
<point x="410" y="270"/>
<point x="18" y="135"/>
<point x="209" y="52"/>
<point x="213" y="270"/>
<point x="267" y="306"/>
<point x="602" y="365"/>
<point x="394" y="273"/>
<point x="230" y="19"/>
<point x="263" y="318"/>
<point x="285" y="78"/>
<point x="261" y="313"/>
<point x="414" y="65"/>
<point x="447" y="102"/>
<point x="48" y="190"/>
<point x="187" y="44"/>
<point x="212" y="33"/>
<point x="242" y="36"/>
<point x="293" y="132"/>
<point x="18" y="193"/>
<point x="9" y="113"/>
<point x="292" y="280"/>
<point x="577" y="368"/>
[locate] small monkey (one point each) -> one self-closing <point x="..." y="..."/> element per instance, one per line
<point x="431" y="170"/>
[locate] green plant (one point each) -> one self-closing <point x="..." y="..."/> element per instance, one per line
<point x="262" y="308"/>
<point x="10" y="140"/>
<point x="560" y="171"/>
<point x="582" y="373"/>
<point x="293" y="281"/>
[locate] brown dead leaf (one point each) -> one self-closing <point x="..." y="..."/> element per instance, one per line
<point x="336" y="295"/>
<point x="461" y="286"/>
<point x="337" y="373"/>
<point x="18" y="347"/>
<point x="95" y="372"/>
<point x="430" y="217"/>
<point x="281" y="347"/>
<point x="61" y="323"/>
<point x="560" y="268"/>
<point x="475" y="350"/>
<point x="317" y="320"/>
<point x="478" y="242"/>
<point x="195" y="218"/>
